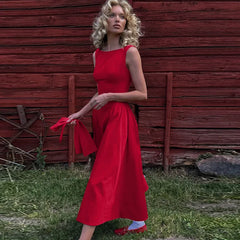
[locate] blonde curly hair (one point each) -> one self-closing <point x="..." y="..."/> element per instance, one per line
<point x="132" y="30"/>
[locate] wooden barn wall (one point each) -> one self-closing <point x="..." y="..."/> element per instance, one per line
<point x="44" y="43"/>
<point x="198" y="41"/>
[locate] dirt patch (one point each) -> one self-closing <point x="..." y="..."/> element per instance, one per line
<point x="221" y="208"/>
<point x="20" y="221"/>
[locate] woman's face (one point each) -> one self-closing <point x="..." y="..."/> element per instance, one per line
<point x="116" y="20"/>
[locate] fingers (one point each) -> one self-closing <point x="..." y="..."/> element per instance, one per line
<point x="73" y="122"/>
<point x="99" y="102"/>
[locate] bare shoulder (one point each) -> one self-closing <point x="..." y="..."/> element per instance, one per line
<point x="132" y="55"/>
<point x="132" y="51"/>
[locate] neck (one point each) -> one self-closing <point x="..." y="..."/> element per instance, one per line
<point x="113" y="42"/>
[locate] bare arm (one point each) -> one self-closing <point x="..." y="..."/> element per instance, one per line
<point x="133" y="61"/>
<point x="81" y="113"/>
<point x="87" y="108"/>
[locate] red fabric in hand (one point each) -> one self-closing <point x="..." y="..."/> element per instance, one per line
<point x="83" y="142"/>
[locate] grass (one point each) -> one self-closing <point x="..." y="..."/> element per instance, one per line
<point x="43" y="205"/>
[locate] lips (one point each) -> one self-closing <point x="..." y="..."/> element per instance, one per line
<point x="117" y="26"/>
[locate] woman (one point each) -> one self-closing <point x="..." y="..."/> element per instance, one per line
<point x="116" y="188"/>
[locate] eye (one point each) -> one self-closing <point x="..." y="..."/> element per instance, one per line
<point x="122" y="16"/>
<point x="111" y="15"/>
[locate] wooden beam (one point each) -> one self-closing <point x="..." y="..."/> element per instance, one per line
<point x="21" y="114"/>
<point x="71" y="109"/>
<point x="168" y="118"/>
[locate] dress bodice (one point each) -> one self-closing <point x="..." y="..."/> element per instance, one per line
<point x="111" y="72"/>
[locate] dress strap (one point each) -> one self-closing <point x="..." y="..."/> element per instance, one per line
<point x="127" y="47"/>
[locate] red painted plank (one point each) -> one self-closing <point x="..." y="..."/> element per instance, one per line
<point x="194" y="28"/>
<point x="57" y="59"/>
<point x="188" y="41"/>
<point x="206" y="102"/>
<point x="214" y="92"/>
<point x="155" y="80"/>
<point x="206" y="117"/>
<point x="33" y="102"/>
<point x="191" y="117"/>
<point x="182" y="10"/>
<point x="210" y="79"/>
<point x="46" y="32"/>
<point x="151" y="137"/>
<point x="70" y="10"/>
<point x="85" y="41"/>
<point x="28" y="93"/>
<point x="26" y="4"/>
<point x="205" y="137"/>
<point x="197" y="51"/>
<point x="46" y="68"/>
<point x="151" y="117"/>
<point x="43" y="81"/>
<point x="61" y="157"/>
<point x="192" y="63"/>
<point x="12" y="50"/>
<point x="47" y="21"/>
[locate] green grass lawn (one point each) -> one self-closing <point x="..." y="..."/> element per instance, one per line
<point x="44" y="205"/>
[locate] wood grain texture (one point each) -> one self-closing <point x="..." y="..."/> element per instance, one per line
<point x="43" y="43"/>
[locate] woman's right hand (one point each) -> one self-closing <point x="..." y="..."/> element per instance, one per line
<point x="74" y="116"/>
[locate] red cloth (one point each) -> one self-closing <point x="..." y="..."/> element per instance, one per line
<point x="116" y="188"/>
<point x="82" y="140"/>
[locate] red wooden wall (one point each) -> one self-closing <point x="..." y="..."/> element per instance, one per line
<point x="44" y="43"/>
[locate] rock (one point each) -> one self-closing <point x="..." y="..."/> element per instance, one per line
<point x="220" y="165"/>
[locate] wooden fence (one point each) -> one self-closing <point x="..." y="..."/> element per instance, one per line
<point x="190" y="54"/>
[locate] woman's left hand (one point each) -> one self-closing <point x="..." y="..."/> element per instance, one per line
<point x="101" y="100"/>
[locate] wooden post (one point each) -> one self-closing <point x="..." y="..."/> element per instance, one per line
<point x="71" y="109"/>
<point x="168" y="118"/>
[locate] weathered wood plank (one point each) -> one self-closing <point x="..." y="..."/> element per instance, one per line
<point x="205" y="137"/>
<point x="85" y="19"/>
<point x="151" y="117"/>
<point x="58" y="59"/>
<point x="56" y="49"/>
<point x="28" y="93"/>
<point x="188" y="41"/>
<point x="85" y="41"/>
<point x="206" y="101"/>
<point x="191" y="117"/>
<point x="187" y="10"/>
<point x="62" y="157"/>
<point x="43" y="81"/>
<point x="206" y="117"/>
<point x="46" y="32"/>
<point x="194" y="28"/>
<point x="29" y="4"/>
<point x="198" y="51"/>
<point x="210" y="79"/>
<point x="192" y="64"/>
<point x="33" y="102"/>
<point x="46" y="68"/>
<point x="151" y="137"/>
<point x="214" y="92"/>
<point x="69" y="10"/>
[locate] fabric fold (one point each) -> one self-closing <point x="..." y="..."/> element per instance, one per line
<point x="83" y="141"/>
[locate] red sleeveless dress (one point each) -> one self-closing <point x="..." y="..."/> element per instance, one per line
<point x="116" y="188"/>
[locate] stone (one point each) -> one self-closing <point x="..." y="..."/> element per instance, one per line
<point x="220" y="166"/>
